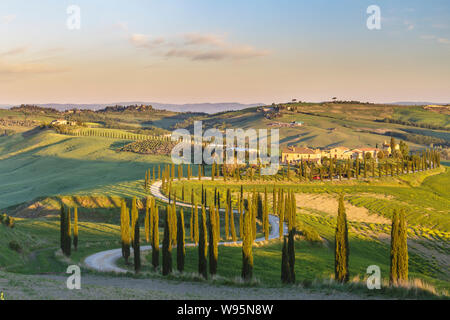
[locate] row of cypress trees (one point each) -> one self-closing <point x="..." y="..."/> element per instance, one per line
<point x="66" y="230"/>
<point x="206" y="233"/>
<point x="305" y="169"/>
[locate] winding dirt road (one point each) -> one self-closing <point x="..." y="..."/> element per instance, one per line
<point x="106" y="261"/>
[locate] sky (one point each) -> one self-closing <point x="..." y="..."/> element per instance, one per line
<point x="248" y="51"/>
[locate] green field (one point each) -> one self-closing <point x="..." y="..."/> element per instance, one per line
<point x="40" y="169"/>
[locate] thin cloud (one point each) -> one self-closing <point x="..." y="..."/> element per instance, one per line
<point x="238" y="53"/>
<point x="30" y="68"/>
<point x="204" y="39"/>
<point x="14" y="51"/>
<point x="7" y="19"/>
<point x="443" y="40"/>
<point x="196" y="47"/>
<point x="145" y="41"/>
<point x="440" y="40"/>
<point x="440" y="26"/>
<point x="409" y="25"/>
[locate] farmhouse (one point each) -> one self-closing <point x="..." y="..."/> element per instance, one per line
<point x="372" y="151"/>
<point x="295" y="154"/>
<point x="62" y="122"/>
<point x="336" y="153"/>
<point x="387" y="147"/>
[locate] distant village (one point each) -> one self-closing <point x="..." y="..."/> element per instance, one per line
<point x="293" y="154"/>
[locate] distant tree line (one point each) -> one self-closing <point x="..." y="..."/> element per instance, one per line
<point x="413" y="124"/>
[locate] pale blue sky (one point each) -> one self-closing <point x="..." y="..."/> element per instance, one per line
<point x="223" y="50"/>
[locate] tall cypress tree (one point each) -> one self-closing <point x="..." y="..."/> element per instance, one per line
<point x="147" y="220"/>
<point x="403" y="248"/>
<point x="341" y="244"/>
<point x="167" y="245"/>
<point x="155" y="237"/>
<point x="241" y="216"/>
<point x="127" y="235"/>
<point x="285" y="270"/>
<point x="232" y="226"/>
<point x="213" y="241"/>
<point x="75" y="228"/>
<point x="134" y="218"/>
<point x="181" y="250"/>
<point x="227" y="214"/>
<point x="196" y="226"/>
<point x="174" y="224"/>
<point x="266" y="216"/>
<point x="191" y="224"/>
<point x="281" y="214"/>
<point x="202" y="246"/>
<point x="247" y="252"/>
<point x="137" y="248"/>
<point x="393" y="275"/>
<point x="62" y="228"/>
<point x="291" y="254"/>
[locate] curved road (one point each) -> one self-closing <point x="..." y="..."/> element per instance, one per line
<point x="105" y="261"/>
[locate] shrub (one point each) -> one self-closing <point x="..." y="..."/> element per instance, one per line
<point x="14" y="245"/>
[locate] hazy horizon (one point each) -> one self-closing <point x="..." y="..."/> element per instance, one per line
<point x="185" y="52"/>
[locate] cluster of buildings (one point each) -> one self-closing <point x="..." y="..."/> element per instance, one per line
<point x="296" y="154"/>
<point x="63" y="122"/>
<point x="286" y="124"/>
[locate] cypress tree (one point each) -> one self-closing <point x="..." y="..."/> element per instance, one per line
<point x="403" y="249"/>
<point x="291" y="254"/>
<point x="247" y="254"/>
<point x="213" y="241"/>
<point x="134" y="217"/>
<point x="202" y="247"/>
<point x="127" y="236"/>
<point x="341" y="244"/>
<point x="281" y="216"/>
<point x="266" y="216"/>
<point x="66" y="241"/>
<point x="174" y="224"/>
<point x="75" y="228"/>
<point x="155" y="237"/>
<point x="122" y="228"/>
<point x="393" y="275"/>
<point x="241" y="217"/>
<point x="274" y="200"/>
<point x="196" y="227"/>
<point x="167" y="245"/>
<point x="254" y="212"/>
<point x="191" y="224"/>
<point x="285" y="270"/>
<point x="62" y="228"/>
<point x="181" y="250"/>
<point x="233" y="228"/>
<point x="217" y="221"/>
<point x="137" y="248"/>
<point x="259" y="204"/>
<point x="147" y="220"/>
<point x="227" y="214"/>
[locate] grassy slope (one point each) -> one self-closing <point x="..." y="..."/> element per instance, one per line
<point x="426" y="204"/>
<point x="354" y="125"/>
<point x="50" y="164"/>
<point x="47" y="164"/>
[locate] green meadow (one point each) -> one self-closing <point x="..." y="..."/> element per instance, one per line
<point x="40" y="169"/>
